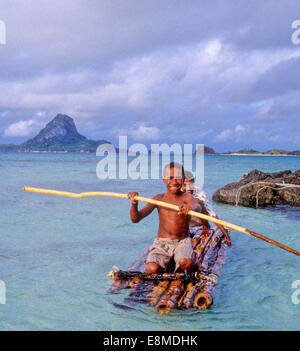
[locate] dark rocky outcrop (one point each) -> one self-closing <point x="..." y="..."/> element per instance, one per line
<point x="247" y="192"/>
<point x="59" y="135"/>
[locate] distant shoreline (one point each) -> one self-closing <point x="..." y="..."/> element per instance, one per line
<point x="238" y="154"/>
<point x="91" y="153"/>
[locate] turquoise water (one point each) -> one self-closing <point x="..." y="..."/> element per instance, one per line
<point x="55" y="252"/>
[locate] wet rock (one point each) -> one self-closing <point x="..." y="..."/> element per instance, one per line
<point x="262" y="189"/>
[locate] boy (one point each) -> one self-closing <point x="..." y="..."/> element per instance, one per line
<point x="189" y="187"/>
<point x="173" y="239"/>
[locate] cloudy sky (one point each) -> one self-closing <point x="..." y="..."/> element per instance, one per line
<point x="223" y="73"/>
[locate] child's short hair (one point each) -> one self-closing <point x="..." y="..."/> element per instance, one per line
<point x="174" y="165"/>
<point x="189" y="175"/>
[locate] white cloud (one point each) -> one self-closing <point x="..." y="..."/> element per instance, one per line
<point x="274" y="138"/>
<point x="140" y="132"/>
<point x="21" y="128"/>
<point x="235" y="134"/>
<point x="224" y="135"/>
<point x="239" y="129"/>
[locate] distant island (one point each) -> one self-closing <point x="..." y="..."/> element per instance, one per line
<point x="251" y="152"/>
<point x="272" y="152"/>
<point x="59" y="135"/>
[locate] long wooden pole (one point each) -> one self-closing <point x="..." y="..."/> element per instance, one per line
<point x="166" y="205"/>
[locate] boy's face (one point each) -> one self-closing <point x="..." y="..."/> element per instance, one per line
<point x="188" y="186"/>
<point x="173" y="178"/>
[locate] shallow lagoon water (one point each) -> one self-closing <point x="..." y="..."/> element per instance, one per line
<point x="55" y="252"/>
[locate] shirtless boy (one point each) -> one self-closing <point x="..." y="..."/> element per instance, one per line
<point x="173" y="239"/>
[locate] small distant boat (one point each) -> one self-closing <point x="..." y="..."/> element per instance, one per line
<point x="169" y="290"/>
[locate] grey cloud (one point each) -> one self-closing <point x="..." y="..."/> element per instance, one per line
<point x="279" y="79"/>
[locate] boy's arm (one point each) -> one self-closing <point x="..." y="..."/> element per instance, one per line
<point x="135" y="214"/>
<point x="224" y="231"/>
<point x="197" y="205"/>
<point x="207" y="210"/>
<point x="204" y="211"/>
<point x="205" y="222"/>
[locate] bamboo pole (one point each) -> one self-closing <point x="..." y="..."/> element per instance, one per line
<point x="166" y="205"/>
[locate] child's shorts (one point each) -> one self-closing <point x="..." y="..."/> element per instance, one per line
<point x="164" y="249"/>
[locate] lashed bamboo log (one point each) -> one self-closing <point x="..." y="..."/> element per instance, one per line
<point x="140" y="294"/>
<point x="154" y="296"/>
<point x="116" y="286"/>
<point x="203" y="247"/>
<point x="188" y="298"/>
<point x="119" y="284"/>
<point x="204" y="252"/>
<point x="204" y="297"/>
<point x="138" y="285"/>
<point x="133" y="283"/>
<point x="216" y="268"/>
<point x="211" y="253"/>
<point x="183" y="299"/>
<point x="195" y="232"/>
<point x="201" y="244"/>
<point x="199" y="234"/>
<point x="171" y="297"/>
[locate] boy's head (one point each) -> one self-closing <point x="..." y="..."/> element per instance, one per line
<point x="173" y="177"/>
<point x="189" y="182"/>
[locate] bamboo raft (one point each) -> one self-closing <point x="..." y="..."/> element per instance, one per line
<point x="168" y="290"/>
